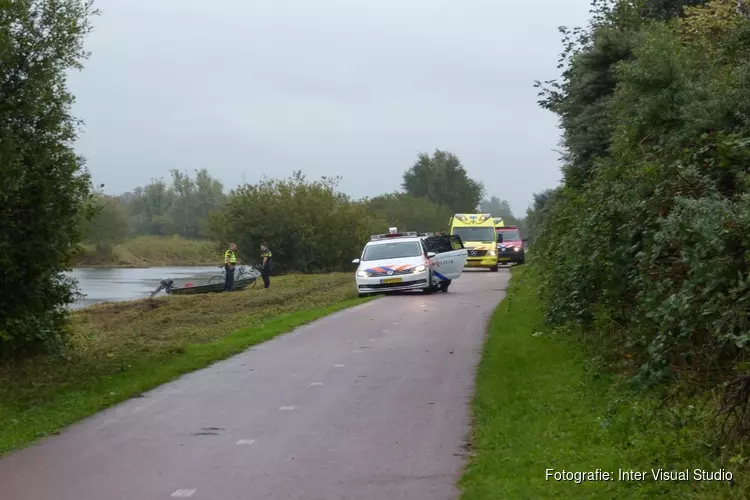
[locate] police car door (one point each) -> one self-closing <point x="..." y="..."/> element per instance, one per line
<point x="450" y="258"/>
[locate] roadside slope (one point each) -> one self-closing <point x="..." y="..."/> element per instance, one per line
<point x="540" y="404"/>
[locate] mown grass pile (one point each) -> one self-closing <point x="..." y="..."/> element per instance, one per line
<point x="121" y="349"/>
<point x="541" y="404"/>
<point x="644" y="247"/>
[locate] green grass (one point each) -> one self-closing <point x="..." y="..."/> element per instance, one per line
<point x="120" y="350"/>
<point x="148" y="251"/>
<point x="540" y="404"/>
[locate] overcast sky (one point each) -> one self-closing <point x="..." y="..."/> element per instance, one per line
<point x="247" y="88"/>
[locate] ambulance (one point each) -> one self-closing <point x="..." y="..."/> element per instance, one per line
<point x="477" y="232"/>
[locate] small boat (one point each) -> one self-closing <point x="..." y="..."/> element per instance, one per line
<point x="168" y="286"/>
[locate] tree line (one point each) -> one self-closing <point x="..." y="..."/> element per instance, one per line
<point x="645" y="243"/>
<point x="311" y="225"/>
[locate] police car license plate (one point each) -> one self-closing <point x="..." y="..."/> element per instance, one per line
<point x="391" y="280"/>
<point x="503" y="258"/>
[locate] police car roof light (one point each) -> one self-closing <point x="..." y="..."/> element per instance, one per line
<point x="393" y="235"/>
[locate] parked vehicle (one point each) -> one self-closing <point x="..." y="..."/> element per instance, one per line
<point x="409" y="261"/>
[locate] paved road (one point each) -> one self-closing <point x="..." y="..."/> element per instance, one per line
<point x="371" y="403"/>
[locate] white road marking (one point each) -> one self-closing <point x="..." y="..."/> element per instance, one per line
<point x="386" y="331"/>
<point x="316" y="384"/>
<point x="373" y="340"/>
<point x="356" y="350"/>
<point x="287" y="408"/>
<point x="183" y="493"/>
<point x="246" y="441"/>
<point x="338" y="366"/>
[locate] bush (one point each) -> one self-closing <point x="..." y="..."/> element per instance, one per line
<point x="44" y="189"/>
<point x="648" y="239"/>
<point x="308" y="225"/>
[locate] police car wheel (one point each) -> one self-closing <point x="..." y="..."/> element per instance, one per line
<point x="494" y="269"/>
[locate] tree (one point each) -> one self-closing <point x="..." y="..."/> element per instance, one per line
<point x="44" y="187"/>
<point x="498" y="208"/>
<point x="209" y="198"/>
<point x="182" y="207"/>
<point x="149" y="209"/>
<point x="537" y="212"/>
<point x="668" y="9"/>
<point x="309" y="225"/>
<point x="443" y="180"/>
<point x="408" y="213"/>
<point x="107" y="226"/>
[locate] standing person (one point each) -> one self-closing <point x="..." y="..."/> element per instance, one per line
<point x="230" y="260"/>
<point x="265" y="267"/>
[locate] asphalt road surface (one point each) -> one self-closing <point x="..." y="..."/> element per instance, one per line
<point x="371" y="403"/>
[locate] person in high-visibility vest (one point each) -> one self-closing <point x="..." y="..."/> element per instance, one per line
<point x="230" y="260"/>
<point x="267" y="261"/>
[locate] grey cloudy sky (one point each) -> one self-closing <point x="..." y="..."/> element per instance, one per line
<point x="247" y="88"/>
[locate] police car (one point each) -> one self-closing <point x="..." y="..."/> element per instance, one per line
<point x="409" y="261"/>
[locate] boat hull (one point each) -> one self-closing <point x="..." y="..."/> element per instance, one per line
<point x="212" y="288"/>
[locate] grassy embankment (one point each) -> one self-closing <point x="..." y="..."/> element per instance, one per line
<point x="541" y="403"/>
<point x="150" y="251"/>
<point x="120" y="350"/>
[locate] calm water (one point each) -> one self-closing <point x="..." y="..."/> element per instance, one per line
<point x="110" y="284"/>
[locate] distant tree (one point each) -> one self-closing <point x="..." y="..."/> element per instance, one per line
<point x="497" y="207"/>
<point x="44" y="187"/>
<point x="443" y="180"/>
<point x="209" y="198"/>
<point x="408" y="213"/>
<point x="181" y="207"/>
<point x="149" y="209"/>
<point x="501" y="208"/>
<point x="107" y="226"/>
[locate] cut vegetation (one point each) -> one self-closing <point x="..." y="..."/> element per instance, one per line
<point x="120" y="350"/>
<point x="542" y="404"/>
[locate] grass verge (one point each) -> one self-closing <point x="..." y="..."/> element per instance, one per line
<point x="122" y="349"/>
<point x="540" y="404"/>
<point x="149" y="251"/>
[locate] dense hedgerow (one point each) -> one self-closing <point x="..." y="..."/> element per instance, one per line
<point x="647" y="238"/>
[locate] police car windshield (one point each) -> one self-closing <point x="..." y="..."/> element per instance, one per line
<point x="507" y="236"/>
<point x="395" y="250"/>
<point x="475" y="233"/>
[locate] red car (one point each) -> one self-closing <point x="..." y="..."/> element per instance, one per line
<point x="509" y="245"/>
